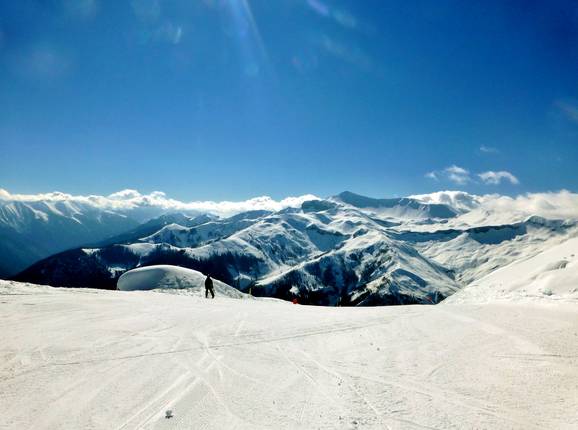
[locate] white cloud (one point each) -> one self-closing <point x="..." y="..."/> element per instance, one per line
<point x="495" y="178"/>
<point x="489" y="149"/>
<point x="489" y="207"/>
<point x="460" y="176"/>
<point x="554" y="205"/>
<point x="456" y="170"/>
<point x="128" y="200"/>
<point x="457" y="174"/>
<point x="459" y="200"/>
<point x="493" y="209"/>
<point x="453" y="173"/>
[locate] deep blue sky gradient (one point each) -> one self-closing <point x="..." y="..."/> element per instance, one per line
<point x="229" y="99"/>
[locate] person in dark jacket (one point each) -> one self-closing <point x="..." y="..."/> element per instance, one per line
<point x="209" y="287"/>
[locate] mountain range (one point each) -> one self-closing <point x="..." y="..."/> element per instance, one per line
<point x="30" y="231"/>
<point x="344" y="250"/>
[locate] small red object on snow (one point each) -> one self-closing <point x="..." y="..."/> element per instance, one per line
<point x="295" y="302"/>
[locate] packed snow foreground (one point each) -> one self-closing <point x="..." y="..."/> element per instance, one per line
<point x="95" y="359"/>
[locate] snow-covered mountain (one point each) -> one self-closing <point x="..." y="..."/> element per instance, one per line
<point x="323" y="252"/>
<point x="345" y="250"/>
<point x="33" y="230"/>
<point x="551" y="274"/>
<point x="403" y="208"/>
<point x="35" y="226"/>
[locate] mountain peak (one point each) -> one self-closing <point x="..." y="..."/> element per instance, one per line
<point x="399" y="207"/>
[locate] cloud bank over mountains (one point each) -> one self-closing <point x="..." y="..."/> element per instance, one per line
<point x="460" y="176"/>
<point x="562" y="204"/>
<point x="495" y="178"/>
<point x="555" y="205"/>
<point x="459" y="200"/>
<point x="132" y="199"/>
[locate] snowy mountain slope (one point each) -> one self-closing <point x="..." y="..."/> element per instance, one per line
<point x="322" y="253"/>
<point x="474" y="252"/>
<point x="337" y="251"/>
<point x="315" y="256"/>
<point x="89" y="359"/>
<point x="33" y="227"/>
<point x="30" y="231"/>
<point x="404" y="208"/>
<point x="177" y="234"/>
<point x="152" y="226"/>
<point x="368" y="269"/>
<point x="549" y="275"/>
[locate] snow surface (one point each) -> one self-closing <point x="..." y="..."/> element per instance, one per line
<point x="94" y="359"/>
<point x="171" y="278"/>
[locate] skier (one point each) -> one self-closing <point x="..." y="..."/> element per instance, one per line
<point x="209" y="287"/>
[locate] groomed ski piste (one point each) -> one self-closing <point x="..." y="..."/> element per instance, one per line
<point x="494" y="356"/>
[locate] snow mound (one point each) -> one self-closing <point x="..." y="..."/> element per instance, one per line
<point x="175" y="280"/>
<point x="550" y="274"/>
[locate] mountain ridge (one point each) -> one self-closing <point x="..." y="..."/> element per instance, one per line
<point x="326" y="252"/>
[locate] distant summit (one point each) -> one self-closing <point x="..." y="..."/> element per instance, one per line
<point x="397" y="207"/>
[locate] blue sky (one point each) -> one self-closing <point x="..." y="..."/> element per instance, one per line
<point x="229" y="99"/>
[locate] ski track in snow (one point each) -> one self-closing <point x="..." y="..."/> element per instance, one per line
<point x="118" y="360"/>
